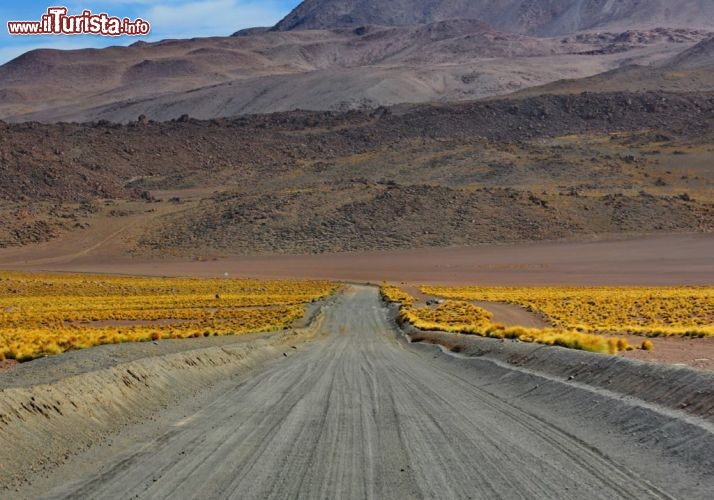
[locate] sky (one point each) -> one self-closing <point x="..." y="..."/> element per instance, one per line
<point x="168" y="19"/>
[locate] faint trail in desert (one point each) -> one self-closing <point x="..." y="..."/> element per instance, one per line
<point x="69" y="257"/>
<point x="512" y="315"/>
<point x="506" y="314"/>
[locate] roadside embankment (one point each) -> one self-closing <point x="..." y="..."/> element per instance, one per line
<point x="671" y="387"/>
<point x="56" y="407"/>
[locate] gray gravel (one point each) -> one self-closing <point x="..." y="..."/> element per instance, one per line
<point x="362" y="414"/>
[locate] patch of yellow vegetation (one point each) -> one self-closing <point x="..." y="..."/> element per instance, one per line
<point x="458" y="316"/>
<point x="392" y="293"/>
<point x="647" y="311"/>
<point x="49" y="314"/>
<point x="451" y="316"/>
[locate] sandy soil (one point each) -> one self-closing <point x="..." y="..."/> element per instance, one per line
<point x="696" y="353"/>
<point x="55" y="368"/>
<point x="511" y="315"/>
<point x="660" y="260"/>
<point x="7" y="364"/>
<point x="657" y="260"/>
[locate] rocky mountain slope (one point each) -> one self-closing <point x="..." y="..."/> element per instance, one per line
<point x="689" y="71"/>
<point x="411" y="176"/>
<point x="699" y="57"/>
<point x="535" y="17"/>
<point x="433" y="57"/>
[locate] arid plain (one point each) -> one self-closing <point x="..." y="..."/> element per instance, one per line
<point x="418" y="249"/>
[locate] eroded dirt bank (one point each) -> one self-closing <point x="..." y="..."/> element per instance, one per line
<point x="54" y="408"/>
<point x="670" y="387"/>
<point x="360" y="413"/>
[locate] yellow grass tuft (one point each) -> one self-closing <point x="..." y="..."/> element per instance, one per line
<point x="395" y="294"/>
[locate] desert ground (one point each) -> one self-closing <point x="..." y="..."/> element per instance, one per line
<point x="656" y="260"/>
<point x="360" y="411"/>
<point x="580" y="190"/>
<point x="376" y="145"/>
<point x="347" y="402"/>
<point x="619" y="261"/>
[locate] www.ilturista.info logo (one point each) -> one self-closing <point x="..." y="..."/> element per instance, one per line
<point x="57" y="22"/>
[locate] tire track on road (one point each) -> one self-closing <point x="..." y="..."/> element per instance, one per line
<point x="359" y="414"/>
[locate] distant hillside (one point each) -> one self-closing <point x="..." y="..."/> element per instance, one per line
<point x="413" y="176"/>
<point x="388" y="53"/>
<point x="689" y="71"/>
<point x="348" y="68"/>
<point x="535" y="17"/>
<point x="701" y="56"/>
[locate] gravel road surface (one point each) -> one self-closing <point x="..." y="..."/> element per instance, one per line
<point x="362" y="414"/>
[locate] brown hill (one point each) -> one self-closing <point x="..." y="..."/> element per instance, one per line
<point x="690" y="71"/>
<point x="536" y="17"/>
<point x="699" y="57"/>
<point x="428" y="175"/>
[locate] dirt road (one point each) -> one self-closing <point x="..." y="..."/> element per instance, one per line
<point x="361" y="414"/>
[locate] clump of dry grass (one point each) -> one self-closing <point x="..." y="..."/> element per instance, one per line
<point x="395" y="294"/>
<point x="449" y="316"/>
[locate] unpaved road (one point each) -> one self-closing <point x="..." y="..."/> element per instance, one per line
<point x="361" y="414"/>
